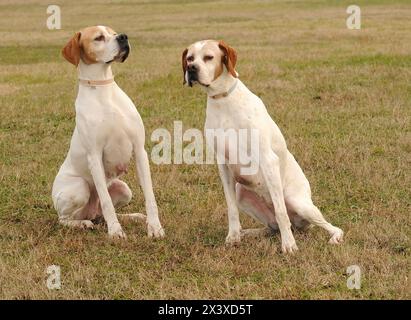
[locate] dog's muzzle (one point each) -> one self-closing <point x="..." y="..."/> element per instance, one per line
<point x="192" y="74"/>
<point x="124" y="51"/>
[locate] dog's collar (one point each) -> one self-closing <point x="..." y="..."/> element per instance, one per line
<point x="225" y="94"/>
<point x="95" y="83"/>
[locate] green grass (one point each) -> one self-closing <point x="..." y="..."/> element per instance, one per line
<point x="10" y="55"/>
<point x="342" y="99"/>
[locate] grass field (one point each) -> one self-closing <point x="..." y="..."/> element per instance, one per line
<point x="341" y="97"/>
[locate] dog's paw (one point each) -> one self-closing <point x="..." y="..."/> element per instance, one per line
<point x="337" y="236"/>
<point x="86" y="224"/>
<point x="155" y="231"/>
<point x="289" y="245"/>
<point x="233" y="238"/>
<point x="116" y="232"/>
<point x="138" y="217"/>
<point x="134" y="217"/>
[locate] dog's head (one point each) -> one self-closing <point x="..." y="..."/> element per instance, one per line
<point x="204" y="61"/>
<point x="97" y="44"/>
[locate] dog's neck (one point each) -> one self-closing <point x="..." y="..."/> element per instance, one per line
<point x="222" y="84"/>
<point x="95" y="71"/>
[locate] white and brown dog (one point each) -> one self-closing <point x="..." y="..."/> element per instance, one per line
<point x="279" y="192"/>
<point x="108" y="131"/>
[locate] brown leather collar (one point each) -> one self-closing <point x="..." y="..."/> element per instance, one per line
<point x="225" y="94"/>
<point x="95" y="83"/>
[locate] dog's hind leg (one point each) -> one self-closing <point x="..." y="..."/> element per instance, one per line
<point x="71" y="197"/>
<point x="297" y="194"/>
<point x="135" y="217"/>
<point x="253" y="205"/>
<point x="81" y="224"/>
<point x="121" y="195"/>
<point x="119" y="192"/>
<point x="309" y="212"/>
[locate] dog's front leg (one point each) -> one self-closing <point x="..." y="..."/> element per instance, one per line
<point x="97" y="172"/>
<point x="270" y="167"/>
<point x="234" y="226"/>
<point x="154" y="228"/>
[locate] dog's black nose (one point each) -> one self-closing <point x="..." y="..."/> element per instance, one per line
<point x="192" y="68"/>
<point x="122" y="37"/>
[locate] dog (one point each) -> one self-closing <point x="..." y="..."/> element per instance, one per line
<point x="108" y="132"/>
<point x="279" y="194"/>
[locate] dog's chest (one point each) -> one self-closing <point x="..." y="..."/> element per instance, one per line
<point x="117" y="143"/>
<point x="117" y="153"/>
<point x="225" y="118"/>
<point x="237" y="129"/>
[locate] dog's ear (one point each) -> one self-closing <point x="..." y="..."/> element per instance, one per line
<point x="229" y="58"/>
<point x="184" y="64"/>
<point x="71" y="51"/>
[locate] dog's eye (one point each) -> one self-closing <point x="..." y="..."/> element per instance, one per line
<point x="99" y="38"/>
<point x="208" y="58"/>
<point x="190" y="58"/>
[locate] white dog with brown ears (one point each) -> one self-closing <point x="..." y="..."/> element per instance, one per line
<point x="279" y="193"/>
<point x="108" y="131"/>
